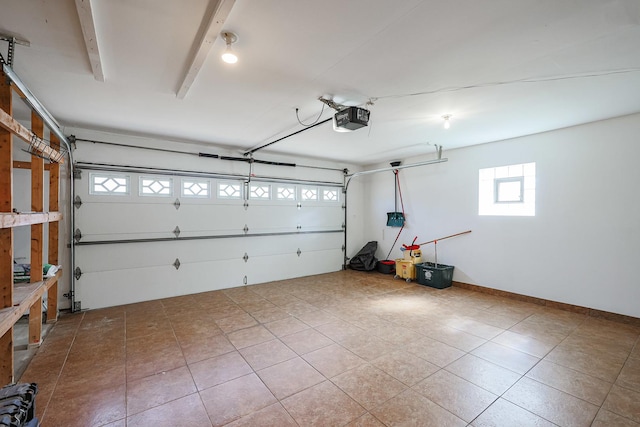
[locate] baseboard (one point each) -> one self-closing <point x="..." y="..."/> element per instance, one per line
<point x="591" y="312"/>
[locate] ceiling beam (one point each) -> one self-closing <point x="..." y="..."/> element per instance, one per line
<point x="211" y="25"/>
<point x="85" y="13"/>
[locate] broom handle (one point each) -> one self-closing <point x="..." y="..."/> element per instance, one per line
<point x="447" y="237"/>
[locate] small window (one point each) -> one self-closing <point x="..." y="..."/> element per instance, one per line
<point x="196" y="188"/>
<point x="227" y="190"/>
<point x="331" y="195"/>
<point x="309" y="193"/>
<point x="260" y="192"/>
<point x="508" y="190"/>
<point x="286" y="193"/>
<point x="150" y="186"/>
<point x="108" y="184"/>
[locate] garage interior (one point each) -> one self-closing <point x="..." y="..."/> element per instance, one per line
<point x="179" y="231"/>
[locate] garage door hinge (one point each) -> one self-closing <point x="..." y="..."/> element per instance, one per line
<point x="77" y="235"/>
<point x="299" y="227"/>
<point x="177" y="204"/>
<point x="299" y="205"/>
<point x="176" y="263"/>
<point x="246" y="205"/>
<point x="68" y="295"/>
<point x="77" y="273"/>
<point x="176" y="231"/>
<point x="245" y="257"/>
<point x="77" y="173"/>
<point x="343" y="248"/>
<point x="245" y="229"/>
<point x="343" y="226"/>
<point x="344" y="206"/>
<point x="299" y="252"/>
<point x="77" y="202"/>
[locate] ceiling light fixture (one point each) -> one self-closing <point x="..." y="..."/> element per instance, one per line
<point x="447" y="123"/>
<point x="229" y="55"/>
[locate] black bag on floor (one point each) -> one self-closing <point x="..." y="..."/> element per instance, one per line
<point x="365" y="259"/>
<point x="17" y="405"/>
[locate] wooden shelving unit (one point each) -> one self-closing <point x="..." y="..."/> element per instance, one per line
<point x="17" y="299"/>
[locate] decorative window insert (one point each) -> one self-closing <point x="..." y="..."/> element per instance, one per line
<point x="108" y="184"/>
<point x="228" y="190"/>
<point x="260" y="191"/>
<point x="307" y="193"/>
<point x="330" y="195"/>
<point x="154" y="186"/>
<point x="508" y="190"/>
<point x="200" y="188"/>
<point x="286" y="193"/>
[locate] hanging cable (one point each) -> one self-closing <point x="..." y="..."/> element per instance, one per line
<point x="403" y="216"/>
<point x="314" y="122"/>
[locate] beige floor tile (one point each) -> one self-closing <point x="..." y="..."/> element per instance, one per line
<point x="455" y="338"/>
<point x="630" y="375"/>
<point x="609" y="419"/>
<point x="506" y="357"/>
<point x="267" y="354"/>
<point x="333" y="360"/>
<point x="339" y="330"/>
<point x="88" y="409"/>
<point x="270" y="314"/>
<point x="412" y="409"/>
<point x="503" y="413"/>
<point x="438" y="353"/>
<point x="604" y="367"/>
<point x="458" y="396"/>
<point x="271" y="416"/>
<point x="368" y="385"/>
<point x="524" y="343"/>
<point x="219" y="369"/>
<point x="289" y="377"/>
<point x="306" y="341"/>
<point x="159" y="389"/>
<point x="623" y="402"/>
<point x="367" y="420"/>
<point x="575" y="383"/>
<point x="236" y="398"/>
<point x="405" y="367"/>
<point x="188" y="411"/>
<point x="551" y="404"/>
<point x="250" y="336"/>
<point x="322" y="405"/>
<point x="316" y="318"/>
<point x="235" y="323"/>
<point x="368" y="347"/>
<point x="286" y="326"/>
<point x="485" y="374"/>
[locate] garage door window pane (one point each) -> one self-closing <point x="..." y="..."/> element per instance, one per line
<point x="261" y="192"/>
<point x="109" y="184"/>
<point x="286" y="193"/>
<point x="331" y="195"/>
<point x="195" y="188"/>
<point x="161" y="187"/>
<point x="227" y="190"/>
<point x="309" y="193"/>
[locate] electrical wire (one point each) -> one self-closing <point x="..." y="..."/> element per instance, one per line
<point x="510" y="82"/>
<point x="315" y="121"/>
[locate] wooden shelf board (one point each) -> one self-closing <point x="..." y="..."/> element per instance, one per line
<point x="10" y="219"/>
<point x="24" y="295"/>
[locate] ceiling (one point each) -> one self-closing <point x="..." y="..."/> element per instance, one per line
<point x="501" y="68"/>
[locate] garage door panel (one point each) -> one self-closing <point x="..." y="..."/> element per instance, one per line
<point x="196" y="277"/>
<point x="270" y="218"/>
<point x="321" y="217"/>
<point x="105" y="219"/>
<point x="226" y="219"/>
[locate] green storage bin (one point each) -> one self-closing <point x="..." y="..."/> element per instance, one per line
<point x="439" y="277"/>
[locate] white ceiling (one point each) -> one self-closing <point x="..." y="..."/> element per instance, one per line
<point x="582" y="58"/>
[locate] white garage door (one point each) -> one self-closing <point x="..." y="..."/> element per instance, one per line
<point x="148" y="236"/>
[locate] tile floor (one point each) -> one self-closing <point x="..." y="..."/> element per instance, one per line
<point x="340" y="349"/>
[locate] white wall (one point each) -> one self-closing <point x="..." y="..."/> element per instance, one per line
<point x="581" y="247"/>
